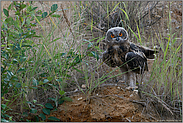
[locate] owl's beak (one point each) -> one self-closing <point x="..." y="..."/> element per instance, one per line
<point x="117" y="38"/>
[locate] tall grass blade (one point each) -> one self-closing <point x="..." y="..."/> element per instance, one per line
<point x="125" y="13"/>
<point x="138" y="33"/>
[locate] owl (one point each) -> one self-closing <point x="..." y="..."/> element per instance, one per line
<point x="129" y="57"/>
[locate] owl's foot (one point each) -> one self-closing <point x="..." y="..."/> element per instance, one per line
<point x="132" y="88"/>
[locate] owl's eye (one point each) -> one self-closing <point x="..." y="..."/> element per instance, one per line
<point x="112" y="36"/>
<point x="120" y="34"/>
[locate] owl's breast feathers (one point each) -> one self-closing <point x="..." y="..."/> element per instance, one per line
<point x="128" y="55"/>
<point x="115" y="54"/>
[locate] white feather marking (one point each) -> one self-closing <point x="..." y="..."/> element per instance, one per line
<point x="115" y="46"/>
<point x="126" y="56"/>
<point x="140" y="54"/>
<point x="116" y="57"/>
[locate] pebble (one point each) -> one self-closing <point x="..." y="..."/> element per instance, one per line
<point x="80" y="98"/>
<point x="83" y="86"/>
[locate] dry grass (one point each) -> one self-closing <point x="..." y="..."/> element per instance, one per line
<point x="71" y="30"/>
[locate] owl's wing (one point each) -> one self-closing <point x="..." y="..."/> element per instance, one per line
<point x="136" y="61"/>
<point x="149" y="53"/>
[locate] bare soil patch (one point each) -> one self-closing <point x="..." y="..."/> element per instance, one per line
<point x="110" y="103"/>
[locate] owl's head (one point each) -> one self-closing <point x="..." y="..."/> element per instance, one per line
<point x="116" y="35"/>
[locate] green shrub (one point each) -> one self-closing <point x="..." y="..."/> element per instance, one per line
<point x="20" y="62"/>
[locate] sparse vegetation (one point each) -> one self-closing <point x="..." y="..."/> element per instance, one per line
<point x="50" y="50"/>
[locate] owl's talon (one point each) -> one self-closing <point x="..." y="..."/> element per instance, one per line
<point x="132" y="88"/>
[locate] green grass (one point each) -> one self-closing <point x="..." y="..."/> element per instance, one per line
<point x="65" y="56"/>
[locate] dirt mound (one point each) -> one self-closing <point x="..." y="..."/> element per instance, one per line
<point x="109" y="103"/>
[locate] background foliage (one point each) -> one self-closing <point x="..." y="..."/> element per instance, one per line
<point x="49" y="51"/>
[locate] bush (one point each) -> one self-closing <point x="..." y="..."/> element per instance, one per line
<point x="20" y="70"/>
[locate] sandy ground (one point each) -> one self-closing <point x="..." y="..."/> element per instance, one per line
<point x="110" y="103"/>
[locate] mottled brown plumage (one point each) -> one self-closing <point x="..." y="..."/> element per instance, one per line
<point x="125" y="54"/>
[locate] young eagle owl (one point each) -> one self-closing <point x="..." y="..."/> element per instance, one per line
<point x="130" y="57"/>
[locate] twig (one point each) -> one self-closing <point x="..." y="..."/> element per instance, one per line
<point x="165" y="106"/>
<point x="128" y="120"/>
<point x="135" y="101"/>
<point x="168" y="106"/>
<point x="162" y="102"/>
<point x="72" y="92"/>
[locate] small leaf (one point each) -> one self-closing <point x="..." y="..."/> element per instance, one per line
<point x="46" y="111"/>
<point x="59" y="80"/>
<point x="22" y="59"/>
<point x="14" y="78"/>
<point x="66" y="99"/>
<point x="9" y="20"/>
<point x="48" y="105"/>
<point x="18" y="85"/>
<point x="26" y="46"/>
<point x="17" y="13"/>
<point x="2" y="44"/>
<point x="57" y="16"/>
<point x="54" y="7"/>
<point x="34" y="8"/>
<point x="39" y="12"/>
<point x="45" y="80"/>
<point x="68" y="76"/>
<point x="28" y="102"/>
<point x="40" y="105"/>
<point x="100" y="39"/>
<point x="21" y="69"/>
<point x="23" y="6"/>
<point x="42" y="116"/>
<point x="90" y="45"/>
<point x="34" y="101"/>
<point x="37" y="118"/>
<point x="35" y="82"/>
<point x="55" y="109"/>
<point x="60" y="101"/>
<point x="33" y="111"/>
<point x="4" y="120"/>
<point x="62" y="54"/>
<point x="6" y="12"/>
<point x="44" y="14"/>
<point x="94" y="54"/>
<point x="3" y="106"/>
<point x="25" y="114"/>
<point x="10" y="74"/>
<point x="15" y="61"/>
<point x="9" y="7"/>
<point x="52" y="99"/>
<point x="61" y="92"/>
<point x="53" y="118"/>
<point x="50" y="78"/>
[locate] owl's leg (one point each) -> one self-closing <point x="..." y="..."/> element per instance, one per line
<point x="132" y="80"/>
<point x="124" y="75"/>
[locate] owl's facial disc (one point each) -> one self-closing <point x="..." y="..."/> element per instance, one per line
<point x="117" y="35"/>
